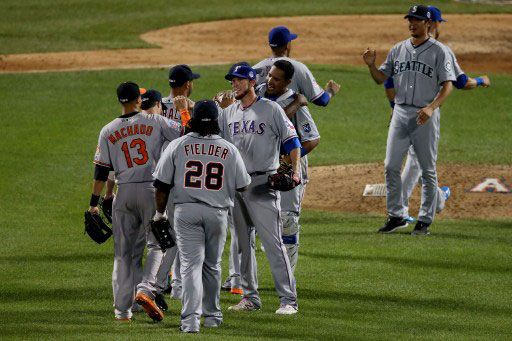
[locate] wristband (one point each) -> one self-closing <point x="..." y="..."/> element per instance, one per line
<point x="303" y="151"/>
<point x="479" y="81"/>
<point x="392" y="104"/>
<point x="94" y="200"/>
<point x="159" y="216"/>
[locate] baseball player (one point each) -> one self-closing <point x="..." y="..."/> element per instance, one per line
<point x="422" y="72"/>
<point x="130" y="145"/>
<point x="303" y="82"/>
<point x="257" y="127"/>
<point x="181" y="81"/>
<point x="276" y="89"/>
<point x="412" y="171"/>
<point x="204" y="171"/>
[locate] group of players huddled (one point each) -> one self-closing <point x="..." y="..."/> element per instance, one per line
<point x="204" y="167"/>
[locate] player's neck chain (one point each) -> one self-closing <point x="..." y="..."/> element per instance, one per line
<point x="247" y="107"/>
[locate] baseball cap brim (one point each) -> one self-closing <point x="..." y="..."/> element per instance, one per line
<point x="293" y="36"/>
<point x="416" y="16"/>
<point x="196" y="76"/>
<point x="232" y="75"/>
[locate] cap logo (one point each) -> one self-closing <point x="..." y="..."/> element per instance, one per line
<point x="428" y="15"/>
<point x="414" y="9"/>
<point x="251" y="74"/>
<point x="236" y="68"/>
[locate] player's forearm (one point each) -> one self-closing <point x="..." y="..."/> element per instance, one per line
<point x="292" y="108"/>
<point x="97" y="187"/>
<point x="295" y="158"/>
<point x="443" y="94"/>
<point x="310" y="145"/>
<point x="378" y="76"/>
<point x="109" y="191"/>
<point x="161" y="198"/>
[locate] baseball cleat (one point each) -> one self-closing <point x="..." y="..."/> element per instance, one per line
<point x="160" y="302"/>
<point x="227" y="284"/>
<point x="446" y="191"/>
<point x="410" y="220"/>
<point x="421" y="229"/>
<point x="286" y="309"/>
<point x="393" y="224"/>
<point x="149" y="306"/>
<point x="244" y="305"/>
<point x="237" y="291"/>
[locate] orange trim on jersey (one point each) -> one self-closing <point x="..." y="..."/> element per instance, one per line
<point x="102" y="164"/>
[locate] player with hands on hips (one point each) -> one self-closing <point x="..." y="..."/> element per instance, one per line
<point x="422" y="71"/>
<point x="130" y="145"/>
<point x="258" y="127"/>
<point x="280" y="42"/>
<point x="204" y="171"/>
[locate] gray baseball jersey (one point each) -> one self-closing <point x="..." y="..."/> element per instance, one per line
<point x="257" y="132"/>
<point x="303" y="80"/>
<point x="418" y="72"/>
<point x="195" y="165"/>
<point x="131" y="145"/>
<point x="456" y="67"/>
<point x="169" y="110"/>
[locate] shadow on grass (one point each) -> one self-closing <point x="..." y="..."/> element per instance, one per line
<point x="415" y="262"/>
<point x="347" y="299"/>
<point x="59" y="258"/>
<point x="53" y="295"/>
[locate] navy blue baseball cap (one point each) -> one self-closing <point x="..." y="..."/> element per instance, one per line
<point x="149" y="98"/>
<point x="127" y="92"/>
<point x="205" y="110"/>
<point x="419" y="12"/>
<point x="241" y="71"/>
<point x="259" y="70"/>
<point x="280" y="36"/>
<point x="435" y="14"/>
<point x="180" y="74"/>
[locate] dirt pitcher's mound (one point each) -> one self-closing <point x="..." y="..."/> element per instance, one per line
<point x="481" y="42"/>
<point x="340" y="188"/>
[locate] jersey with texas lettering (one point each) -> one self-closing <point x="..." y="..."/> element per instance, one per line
<point x="418" y="71"/>
<point x="205" y="169"/>
<point x="257" y="132"/>
<point x="131" y="145"/>
<point x="303" y="80"/>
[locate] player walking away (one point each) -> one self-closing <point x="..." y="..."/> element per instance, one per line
<point x="257" y="127"/>
<point x="130" y="145"/>
<point x="422" y="71"/>
<point x="276" y="89"/>
<point x="204" y="171"/>
<point x="412" y="171"/>
<point x="303" y="81"/>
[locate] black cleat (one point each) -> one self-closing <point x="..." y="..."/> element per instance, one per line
<point x="421" y="229"/>
<point x="393" y="224"/>
<point x="160" y="302"/>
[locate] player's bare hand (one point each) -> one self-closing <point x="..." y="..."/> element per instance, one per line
<point x="94" y="210"/>
<point x="424" y="114"/>
<point x="369" y="56"/>
<point x="301" y="99"/>
<point x="225" y="98"/>
<point x="180" y="102"/>
<point x="487" y="81"/>
<point x="332" y="87"/>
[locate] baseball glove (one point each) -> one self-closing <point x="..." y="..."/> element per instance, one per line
<point x="285" y="179"/>
<point x="164" y="234"/>
<point x="96" y="228"/>
<point x="106" y="208"/>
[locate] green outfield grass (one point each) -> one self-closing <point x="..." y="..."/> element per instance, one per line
<point x="66" y="25"/>
<point x="352" y="283"/>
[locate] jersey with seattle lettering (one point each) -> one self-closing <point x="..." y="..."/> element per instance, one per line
<point x="257" y="132"/>
<point x="456" y="67"/>
<point x="131" y="145"/>
<point x="205" y="169"/>
<point x="303" y="80"/>
<point x="418" y="71"/>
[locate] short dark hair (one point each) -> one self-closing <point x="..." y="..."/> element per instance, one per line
<point x="286" y="67"/>
<point x="203" y="128"/>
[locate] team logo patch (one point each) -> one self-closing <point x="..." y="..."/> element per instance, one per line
<point x="448" y="66"/>
<point x="306" y="127"/>
<point x="492" y="185"/>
